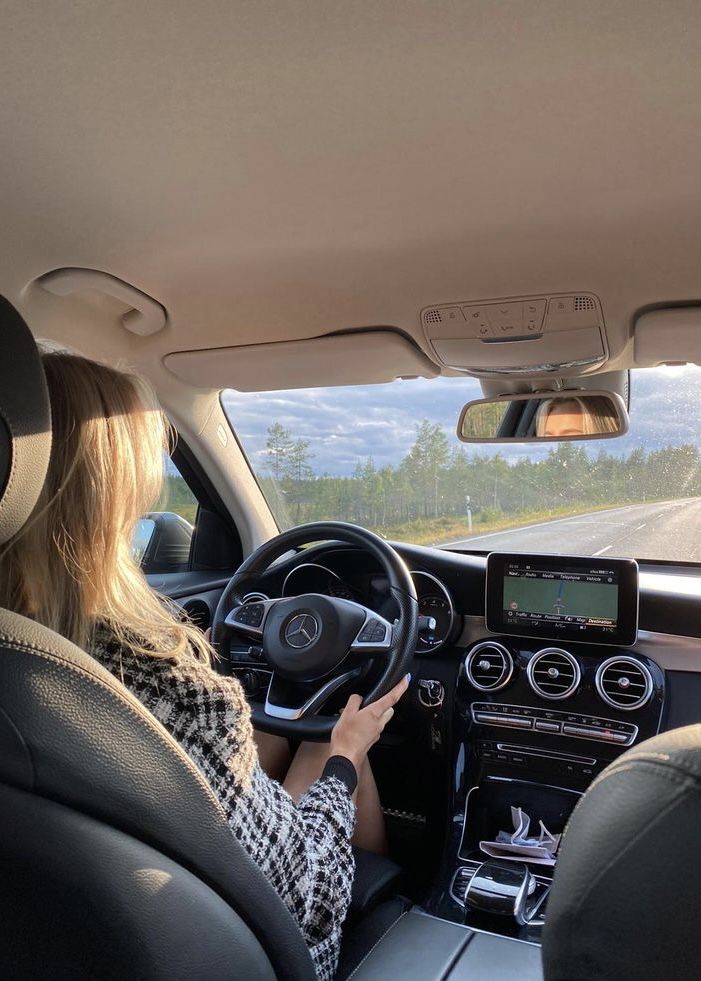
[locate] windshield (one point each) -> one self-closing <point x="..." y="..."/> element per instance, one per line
<point x="386" y="457"/>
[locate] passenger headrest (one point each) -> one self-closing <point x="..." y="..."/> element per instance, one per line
<point x="25" y="422"/>
<point x="625" y="895"/>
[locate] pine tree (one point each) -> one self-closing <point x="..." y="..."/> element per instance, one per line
<point x="277" y="449"/>
<point x="297" y="462"/>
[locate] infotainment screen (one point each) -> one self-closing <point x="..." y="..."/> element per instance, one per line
<point x="586" y="600"/>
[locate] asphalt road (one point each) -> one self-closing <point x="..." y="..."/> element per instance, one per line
<point x="669" y="530"/>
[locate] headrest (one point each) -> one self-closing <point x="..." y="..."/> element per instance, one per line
<point x="25" y="422"/>
<point x="624" y="901"/>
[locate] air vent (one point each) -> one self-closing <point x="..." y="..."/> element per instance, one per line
<point x="489" y="666"/>
<point x="199" y="613"/>
<point x="584" y="303"/>
<point x="553" y="673"/>
<point x="624" y="683"/>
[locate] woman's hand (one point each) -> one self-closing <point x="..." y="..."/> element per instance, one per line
<point x="359" y="729"/>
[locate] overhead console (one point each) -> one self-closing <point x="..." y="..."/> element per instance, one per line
<point x="523" y="335"/>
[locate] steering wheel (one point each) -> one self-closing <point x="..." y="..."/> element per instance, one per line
<point x="315" y="644"/>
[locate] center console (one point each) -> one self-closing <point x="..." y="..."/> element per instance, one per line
<point x="552" y="692"/>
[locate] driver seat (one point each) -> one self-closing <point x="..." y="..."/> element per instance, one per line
<point x="115" y="856"/>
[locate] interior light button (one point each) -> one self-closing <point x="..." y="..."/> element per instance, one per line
<point x="506" y="318"/>
<point x="478" y="324"/>
<point x="533" y="313"/>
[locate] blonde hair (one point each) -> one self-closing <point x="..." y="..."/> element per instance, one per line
<point x="595" y="413"/>
<point x="71" y="567"/>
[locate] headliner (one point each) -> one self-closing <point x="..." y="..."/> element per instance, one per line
<point x="278" y="171"/>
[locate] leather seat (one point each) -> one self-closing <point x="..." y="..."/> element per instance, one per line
<point x="625" y="901"/>
<point x="115" y="856"/>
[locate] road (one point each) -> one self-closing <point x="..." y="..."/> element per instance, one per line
<point x="668" y="530"/>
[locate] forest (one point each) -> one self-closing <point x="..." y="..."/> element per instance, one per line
<point x="428" y="495"/>
<point x="434" y="493"/>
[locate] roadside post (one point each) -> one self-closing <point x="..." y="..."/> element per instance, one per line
<point x="468" y="511"/>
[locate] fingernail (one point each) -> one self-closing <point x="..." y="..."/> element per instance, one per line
<point x="408" y="677"/>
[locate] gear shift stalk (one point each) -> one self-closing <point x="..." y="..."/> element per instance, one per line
<point x="501" y="887"/>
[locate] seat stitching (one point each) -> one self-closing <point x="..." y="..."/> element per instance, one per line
<point x="378" y="941"/>
<point x="144" y="721"/>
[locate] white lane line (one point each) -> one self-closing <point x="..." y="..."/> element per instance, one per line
<point x="587" y="517"/>
<point x="641" y="526"/>
<point x="602" y="550"/>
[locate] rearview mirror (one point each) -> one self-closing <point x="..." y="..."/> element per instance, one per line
<point x="546" y="417"/>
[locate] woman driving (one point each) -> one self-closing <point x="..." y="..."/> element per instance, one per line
<point x="71" y="569"/>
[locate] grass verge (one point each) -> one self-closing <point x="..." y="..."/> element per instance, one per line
<point x="438" y="531"/>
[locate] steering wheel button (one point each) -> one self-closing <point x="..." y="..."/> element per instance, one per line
<point x="255" y="613"/>
<point x="368" y="634"/>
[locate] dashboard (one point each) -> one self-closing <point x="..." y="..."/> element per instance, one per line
<point x="532" y="674"/>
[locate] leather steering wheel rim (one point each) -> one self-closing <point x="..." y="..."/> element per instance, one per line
<point x="402" y="643"/>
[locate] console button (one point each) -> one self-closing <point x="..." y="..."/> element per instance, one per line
<point x="489" y="718"/>
<point x="544" y="726"/>
<point x="589" y="732"/>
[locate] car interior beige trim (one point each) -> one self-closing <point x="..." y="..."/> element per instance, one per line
<point x="668" y="335"/>
<point x="263" y="188"/>
<point x="360" y="358"/>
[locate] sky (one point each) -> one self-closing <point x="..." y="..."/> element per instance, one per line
<point x="348" y="424"/>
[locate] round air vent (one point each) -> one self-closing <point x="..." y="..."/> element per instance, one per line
<point x="624" y="683"/>
<point x="489" y="666"/>
<point x="553" y="673"/>
<point x="199" y="613"/>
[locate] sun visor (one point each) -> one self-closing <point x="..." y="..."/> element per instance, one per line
<point x="356" y="358"/>
<point x="669" y="336"/>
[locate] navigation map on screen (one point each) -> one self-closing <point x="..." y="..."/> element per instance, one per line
<point x="574" y="599"/>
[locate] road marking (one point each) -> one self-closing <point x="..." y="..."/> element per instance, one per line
<point x="587" y="516"/>
<point x="641" y="526"/>
<point x="602" y="550"/>
<point x="474" y="540"/>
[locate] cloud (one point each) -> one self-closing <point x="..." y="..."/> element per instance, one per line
<point x="348" y="424"/>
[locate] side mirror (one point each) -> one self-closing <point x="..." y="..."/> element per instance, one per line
<point x="545" y="417"/>
<point x="162" y="542"/>
<point x="143" y="533"/>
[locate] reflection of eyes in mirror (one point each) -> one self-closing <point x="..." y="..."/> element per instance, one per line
<point x="560" y="417"/>
<point x="565" y="415"/>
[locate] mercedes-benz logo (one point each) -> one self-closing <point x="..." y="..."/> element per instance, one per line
<point x="301" y="631"/>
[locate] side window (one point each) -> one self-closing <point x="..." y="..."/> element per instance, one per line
<point x="163" y="537"/>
